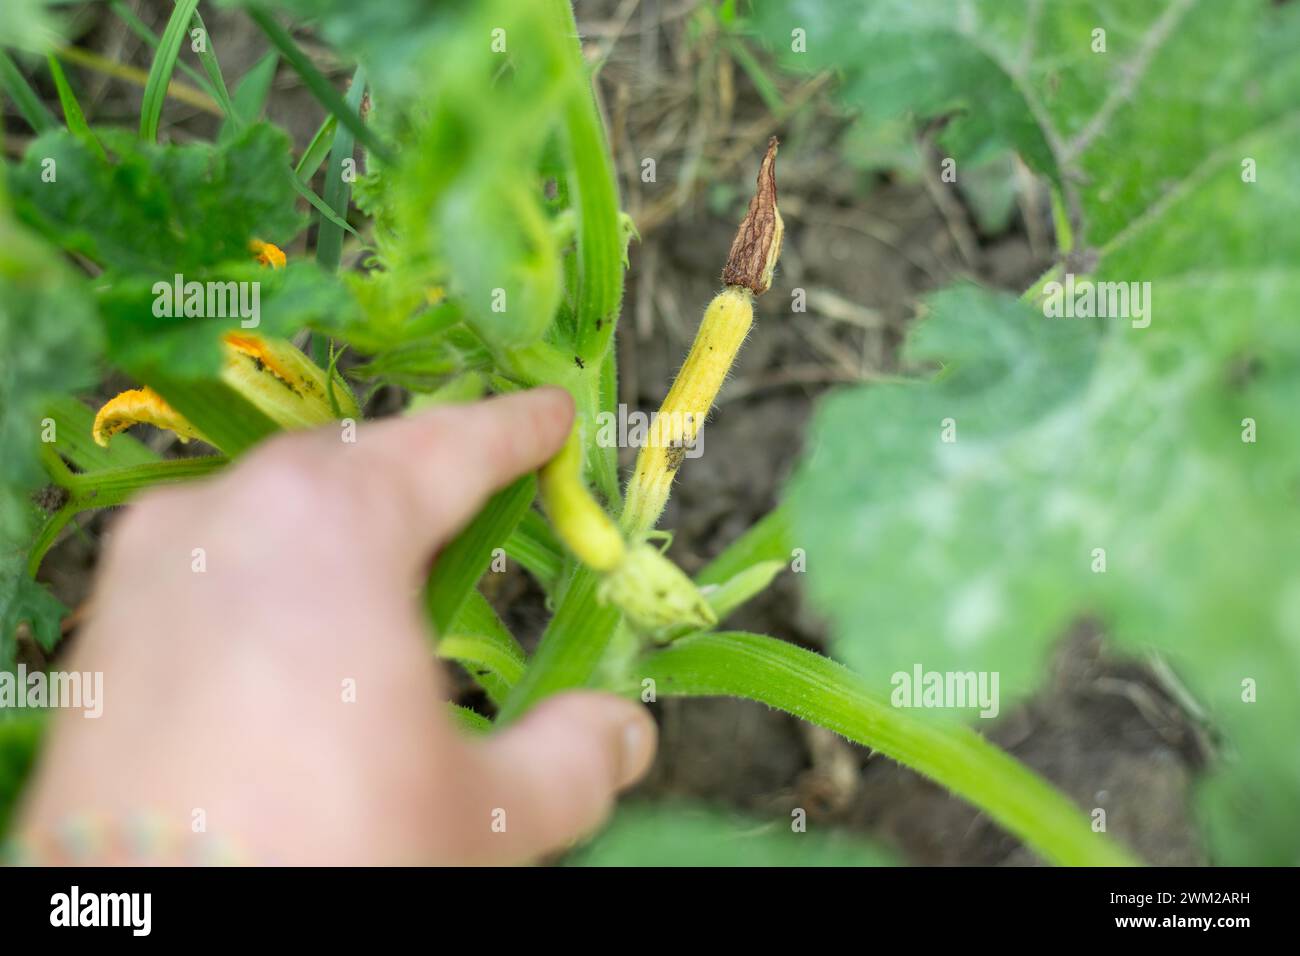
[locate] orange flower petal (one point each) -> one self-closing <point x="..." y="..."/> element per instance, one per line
<point x="139" y="406"/>
<point x="268" y="254"/>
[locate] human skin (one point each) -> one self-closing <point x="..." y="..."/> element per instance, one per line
<point x="226" y="690"/>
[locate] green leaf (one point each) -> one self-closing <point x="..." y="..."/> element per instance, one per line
<point x="924" y="57"/>
<point x="1076" y="436"/>
<point x="250" y="96"/>
<point x="24" y="601"/>
<point x="767" y="540"/>
<point x="642" y="835"/>
<point x="158" y="210"/>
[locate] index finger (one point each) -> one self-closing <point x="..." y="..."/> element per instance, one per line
<point x="419" y="479"/>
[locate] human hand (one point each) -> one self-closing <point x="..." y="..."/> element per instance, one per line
<point x="224" y="690"/>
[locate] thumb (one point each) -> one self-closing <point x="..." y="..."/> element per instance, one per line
<point x="552" y="775"/>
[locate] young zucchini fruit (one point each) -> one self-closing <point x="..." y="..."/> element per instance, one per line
<point x="726" y="323"/>
<point x="636" y="578"/>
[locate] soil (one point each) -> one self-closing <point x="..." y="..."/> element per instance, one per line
<point x="864" y="249"/>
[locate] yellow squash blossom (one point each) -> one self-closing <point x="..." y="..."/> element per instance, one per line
<point x="273" y="374"/>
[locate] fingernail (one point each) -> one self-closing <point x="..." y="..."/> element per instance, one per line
<point x="638" y="751"/>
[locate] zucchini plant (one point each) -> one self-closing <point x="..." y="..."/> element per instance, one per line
<point x="467" y="238"/>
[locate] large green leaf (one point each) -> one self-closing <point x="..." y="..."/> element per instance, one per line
<point x="155" y="210"/>
<point x="1074" y="435"/>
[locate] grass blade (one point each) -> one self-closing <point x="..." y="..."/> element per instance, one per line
<point x="212" y="67"/>
<point x="141" y="30"/>
<point x="20" y="91"/>
<point x="72" y="113"/>
<point x="164" y="62"/>
<point x="317" y="150"/>
<point x="338" y="191"/>
<point x="320" y="87"/>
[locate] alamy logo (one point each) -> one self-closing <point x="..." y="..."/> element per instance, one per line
<point x="209" y="300"/>
<point x="941" y="690"/>
<point x="67" y="690"/>
<point x="1085" y="299"/>
<point x="75" y="908"/>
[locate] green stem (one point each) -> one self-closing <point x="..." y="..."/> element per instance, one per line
<point x="823" y="692"/>
<point x="463" y="561"/>
<point x="533" y="544"/>
<point x="110" y="488"/>
<point x="594" y="193"/>
<point x="571" y="648"/>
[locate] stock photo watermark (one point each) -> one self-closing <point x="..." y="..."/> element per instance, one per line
<point x="208" y="300"/>
<point x="946" y="690"/>
<point x="1085" y="299"/>
<point x="64" y="690"/>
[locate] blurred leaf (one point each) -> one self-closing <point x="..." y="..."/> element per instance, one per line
<point x="24" y="97"/>
<point x="1018" y="74"/>
<point x="49" y="340"/>
<point x="392" y="39"/>
<point x="20" y="738"/>
<point x="250" y="96"/>
<point x="30" y="25"/>
<point x="157" y="210"/>
<point x="1074" y="435"/>
<point x="682" y="836"/>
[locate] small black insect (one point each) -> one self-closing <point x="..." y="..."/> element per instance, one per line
<point x="577" y="360"/>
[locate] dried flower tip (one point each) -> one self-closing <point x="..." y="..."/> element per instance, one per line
<point x="757" y="245"/>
